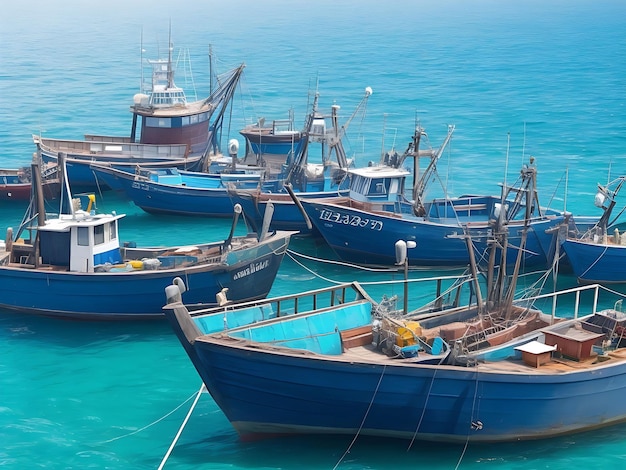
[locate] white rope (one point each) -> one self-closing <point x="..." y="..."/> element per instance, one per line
<point x="148" y="425"/>
<point x="596" y="261"/>
<point x="292" y="253"/>
<point x="311" y="271"/>
<point x="182" y="426"/>
<point x="372" y="269"/>
<point x="340" y="263"/>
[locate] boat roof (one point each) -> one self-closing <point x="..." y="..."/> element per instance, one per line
<point x="379" y="172"/>
<point x="80" y="218"/>
<point x="187" y="109"/>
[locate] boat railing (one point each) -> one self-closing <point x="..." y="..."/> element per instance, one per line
<point x="341" y="294"/>
<point x="298" y="303"/>
<point x="108" y="138"/>
<point x="89" y="147"/>
<point x="283" y="126"/>
<point x="565" y="296"/>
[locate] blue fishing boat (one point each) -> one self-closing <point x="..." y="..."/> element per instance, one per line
<point x="178" y="192"/>
<point x="317" y="170"/>
<point x="167" y="130"/>
<point x="333" y="361"/>
<point x="363" y="227"/>
<point x="598" y="255"/>
<point x="271" y="144"/>
<point x="73" y="265"/>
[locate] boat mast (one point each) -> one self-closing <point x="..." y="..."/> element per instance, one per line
<point x="421" y="182"/>
<point x="335" y="142"/>
<point x="603" y="223"/>
<point x="170" y="71"/>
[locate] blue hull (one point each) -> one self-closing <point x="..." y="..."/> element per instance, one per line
<point x="263" y="392"/>
<point x="82" y="177"/>
<point x="369" y="238"/>
<point x="247" y="273"/>
<point x="160" y="198"/>
<point x="286" y="216"/>
<point x="332" y="364"/>
<point x="596" y="263"/>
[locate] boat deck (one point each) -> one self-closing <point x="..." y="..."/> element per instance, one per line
<point x="367" y="353"/>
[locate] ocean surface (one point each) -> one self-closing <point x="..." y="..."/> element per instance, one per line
<point x="516" y="79"/>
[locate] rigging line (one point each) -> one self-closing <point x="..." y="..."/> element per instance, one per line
<point x="366" y="268"/>
<point x="95" y="176"/>
<point x="448" y="166"/>
<point x="149" y="425"/>
<point x="556" y="188"/>
<point x="506" y="161"/>
<point x="341" y="263"/>
<point x="419" y="423"/>
<point x="596" y="261"/>
<point x="377" y="283"/>
<point x="614" y="292"/>
<point x="380" y="379"/>
<point x="471" y="420"/>
<point x="311" y="271"/>
<point x="182" y="426"/>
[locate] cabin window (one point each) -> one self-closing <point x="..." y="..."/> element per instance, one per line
<point x="185" y="120"/>
<point x="359" y="184"/>
<point x="378" y="186"/>
<point x="158" y="122"/>
<point x="393" y="187"/>
<point x="113" y="229"/>
<point x="98" y="233"/>
<point x="83" y="236"/>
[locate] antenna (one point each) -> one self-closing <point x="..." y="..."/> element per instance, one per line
<point x="524" y="145"/>
<point x="141" y="51"/>
<point x="506" y="160"/>
<point x="170" y="80"/>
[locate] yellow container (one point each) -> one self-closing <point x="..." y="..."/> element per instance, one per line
<point x="415" y="327"/>
<point x="405" y="337"/>
<point x="136" y="264"/>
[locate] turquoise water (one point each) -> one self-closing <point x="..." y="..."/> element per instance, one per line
<point x="538" y="78"/>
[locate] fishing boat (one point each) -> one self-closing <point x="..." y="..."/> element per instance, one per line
<point x="179" y="192"/>
<point x="73" y="265"/>
<point x="363" y="227"/>
<point x="14" y="184"/>
<point x="598" y="255"/>
<point x="333" y="361"/>
<point x="270" y="144"/>
<point x="167" y="130"/>
<point x="318" y="169"/>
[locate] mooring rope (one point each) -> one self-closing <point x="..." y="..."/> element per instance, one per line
<point x="430" y="388"/>
<point x="340" y="263"/>
<point x="151" y="424"/>
<point x="182" y="426"/>
<point x="369" y="407"/>
<point x="471" y="423"/>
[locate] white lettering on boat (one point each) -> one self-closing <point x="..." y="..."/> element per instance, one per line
<point x="141" y="186"/>
<point x="352" y="220"/>
<point x="251" y="269"/>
